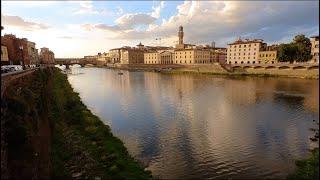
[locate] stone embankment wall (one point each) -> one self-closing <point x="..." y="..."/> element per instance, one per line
<point x="216" y="68"/>
<point x="301" y="73"/>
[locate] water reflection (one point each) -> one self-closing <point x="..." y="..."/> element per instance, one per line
<point x="198" y="126"/>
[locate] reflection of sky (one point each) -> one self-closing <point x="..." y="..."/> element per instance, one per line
<point x="202" y="126"/>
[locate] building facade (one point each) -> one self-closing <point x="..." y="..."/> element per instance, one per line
<point x="267" y="57"/>
<point x="115" y="55"/>
<point x="191" y="56"/>
<point x="17" y="49"/>
<point x="4" y="55"/>
<point x="159" y="57"/>
<point x="244" y="51"/>
<point x="151" y="57"/>
<point x="315" y="49"/>
<point x="46" y="56"/>
<point x="103" y="57"/>
<point x="33" y="53"/>
<point x="166" y="57"/>
<point x="131" y="56"/>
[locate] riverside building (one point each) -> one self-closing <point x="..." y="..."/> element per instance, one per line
<point x="315" y="49"/>
<point x="244" y="51"/>
<point x="46" y="56"/>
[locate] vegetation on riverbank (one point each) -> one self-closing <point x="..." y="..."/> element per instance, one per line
<point x="80" y="134"/>
<point x="308" y="169"/>
<point x="50" y="133"/>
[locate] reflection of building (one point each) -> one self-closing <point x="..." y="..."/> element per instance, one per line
<point x="4" y="55"/>
<point x="315" y="48"/>
<point x="17" y="49"/>
<point x="46" y="56"/>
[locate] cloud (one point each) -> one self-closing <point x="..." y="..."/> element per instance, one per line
<point x="65" y="37"/>
<point x="157" y="10"/>
<point x="128" y="21"/>
<point x="206" y="21"/>
<point x="21" y="23"/>
<point x="86" y="7"/>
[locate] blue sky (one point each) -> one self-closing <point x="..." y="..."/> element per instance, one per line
<point x="78" y="28"/>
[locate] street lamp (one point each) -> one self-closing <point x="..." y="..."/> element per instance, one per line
<point x="21" y="49"/>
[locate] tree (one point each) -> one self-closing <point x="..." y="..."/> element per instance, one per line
<point x="304" y="47"/>
<point x="287" y="52"/>
<point x="299" y="49"/>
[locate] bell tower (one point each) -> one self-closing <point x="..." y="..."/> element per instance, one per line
<point x="180" y="34"/>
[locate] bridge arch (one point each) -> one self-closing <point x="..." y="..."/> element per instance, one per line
<point x="299" y="67"/>
<point x="284" y="67"/>
<point x="270" y="67"/>
<point x="258" y="67"/>
<point x="313" y="67"/>
<point x="247" y="67"/>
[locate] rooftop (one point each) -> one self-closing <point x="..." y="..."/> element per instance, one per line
<point x="246" y="41"/>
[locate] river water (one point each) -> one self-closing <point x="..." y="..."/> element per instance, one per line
<point x="203" y="126"/>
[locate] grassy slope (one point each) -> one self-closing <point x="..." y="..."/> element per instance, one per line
<point x="82" y="143"/>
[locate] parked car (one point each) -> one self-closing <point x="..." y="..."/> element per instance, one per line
<point x="14" y="67"/>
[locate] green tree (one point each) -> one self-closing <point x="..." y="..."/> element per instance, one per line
<point x="287" y="52"/>
<point x="304" y="47"/>
<point x="298" y="50"/>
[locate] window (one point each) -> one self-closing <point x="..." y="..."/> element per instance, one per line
<point x="239" y="46"/>
<point x="241" y="62"/>
<point x="253" y="62"/>
<point x="248" y="62"/>
<point x="235" y="62"/>
<point x="244" y="45"/>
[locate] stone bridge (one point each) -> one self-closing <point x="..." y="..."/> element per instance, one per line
<point x="279" y="66"/>
<point x="71" y="61"/>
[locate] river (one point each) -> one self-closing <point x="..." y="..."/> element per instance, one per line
<point x="204" y="126"/>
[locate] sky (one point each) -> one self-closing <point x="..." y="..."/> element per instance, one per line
<point x="79" y="28"/>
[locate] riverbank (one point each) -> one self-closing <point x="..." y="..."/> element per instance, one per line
<point x="217" y="69"/>
<point x="50" y="133"/>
